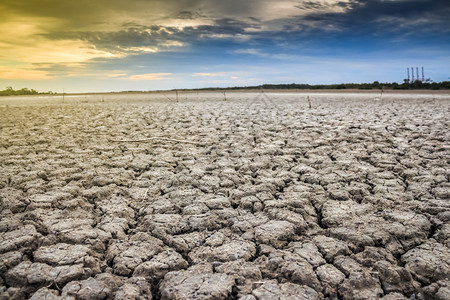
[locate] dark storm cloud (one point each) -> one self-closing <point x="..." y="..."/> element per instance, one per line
<point x="385" y="17"/>
<point x="308" y="19"/>
<point x="356" y="25"/>
<point x="127" y="36"/>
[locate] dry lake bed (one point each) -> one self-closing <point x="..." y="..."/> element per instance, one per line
<point x="136" y="196"/>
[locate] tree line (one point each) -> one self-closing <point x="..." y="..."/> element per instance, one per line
<point x="9" y="91"/>
<point x="406" y="85"/>
<point x="416" y="85"/>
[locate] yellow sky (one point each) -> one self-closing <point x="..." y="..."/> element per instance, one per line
<point x="138" y="40"/>
<point x="28" y="29"/>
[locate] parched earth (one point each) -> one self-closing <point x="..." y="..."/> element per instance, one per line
<point x="256" y="197"/>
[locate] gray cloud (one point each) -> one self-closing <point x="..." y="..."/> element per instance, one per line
<point x="188" y="15"/>
<point x="114" y="23"/>
<point x="276" y="29"/>
<point x="380" y="16"/>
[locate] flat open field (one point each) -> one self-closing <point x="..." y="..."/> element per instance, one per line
<point x="256" y="197"/>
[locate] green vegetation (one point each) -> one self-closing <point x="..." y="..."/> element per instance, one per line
<point x="416" y="85"/>
<point x="11" y="92"/>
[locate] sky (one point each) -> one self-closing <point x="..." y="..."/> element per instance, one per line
<point x="121" y="45"/>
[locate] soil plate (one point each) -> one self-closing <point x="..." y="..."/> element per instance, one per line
<point x="257" y="197"/>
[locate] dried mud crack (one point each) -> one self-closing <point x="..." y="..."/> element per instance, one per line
<point x="256" y="197"/>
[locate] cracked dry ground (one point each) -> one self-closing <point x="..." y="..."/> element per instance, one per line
<point x="347" y="200"/>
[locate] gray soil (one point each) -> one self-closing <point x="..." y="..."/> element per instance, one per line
<point x="257" y="197"/>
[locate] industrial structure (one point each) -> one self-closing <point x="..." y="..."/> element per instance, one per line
<point x="413" y="78"/>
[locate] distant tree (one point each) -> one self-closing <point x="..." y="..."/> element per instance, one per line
<point x="9" y="91"/>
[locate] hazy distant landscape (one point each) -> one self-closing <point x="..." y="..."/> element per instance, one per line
<point x="243" y="195"/>
<point x="406" y="85"/>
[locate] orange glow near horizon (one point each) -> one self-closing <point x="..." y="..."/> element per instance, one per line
<point x="24" y="44"/>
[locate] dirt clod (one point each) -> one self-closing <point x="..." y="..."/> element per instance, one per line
<point x="137" y="197"/>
